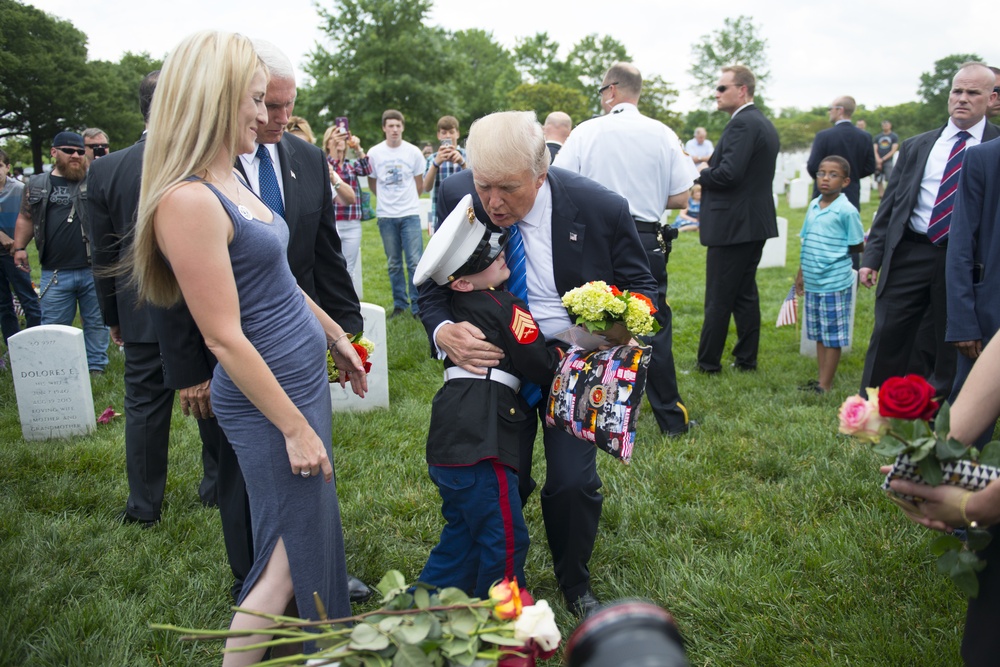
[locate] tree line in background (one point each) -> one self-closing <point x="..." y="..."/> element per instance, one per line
<point x="381" y="54"/>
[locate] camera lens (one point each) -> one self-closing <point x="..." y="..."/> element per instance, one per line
<point x="627" y="634"/>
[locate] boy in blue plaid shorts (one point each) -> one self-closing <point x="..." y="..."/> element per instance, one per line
<point x="831" y="232"/>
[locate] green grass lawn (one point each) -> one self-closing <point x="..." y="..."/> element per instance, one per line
<point x="763" y="532"/>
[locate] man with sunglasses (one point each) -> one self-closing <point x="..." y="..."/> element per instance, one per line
<point x="54" y="213"/>
<point x="737" y="217"/>
<point x="95" y="140"/>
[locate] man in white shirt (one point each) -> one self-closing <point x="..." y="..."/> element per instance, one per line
<point x="640" y="159"/>
<point x="907" y="237"/>
<point x="397" y="180"/>
<point x="699" y="148"/>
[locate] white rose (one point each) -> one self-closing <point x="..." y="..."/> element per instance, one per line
<point x="538" y="622"/>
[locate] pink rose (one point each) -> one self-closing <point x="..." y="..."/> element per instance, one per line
<point x="861" y="418"/>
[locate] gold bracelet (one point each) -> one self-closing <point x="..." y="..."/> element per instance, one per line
<point x="961" y="508"/>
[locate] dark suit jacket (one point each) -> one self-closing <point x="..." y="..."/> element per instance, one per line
<point x="593" y="238"/>
<point x="974" y="238"/>
<point x="850" y="143"/>
<point x="314" y="256"/>
<point x="553" y="147"/>
<point x="113" y="191"/>
<point x="736" y="201"/>
<point x="900" y="198"/>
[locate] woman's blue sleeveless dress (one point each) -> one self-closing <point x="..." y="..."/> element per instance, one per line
<point x="303" y="512"/>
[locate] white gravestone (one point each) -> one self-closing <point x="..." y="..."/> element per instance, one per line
<point x="345" y="400"/>
<point x="798" y="192"/>
<point x="775" y="251"/>
<point x="52" y="382"/>
<point x="807" y="348"/>
<point x="866" y="189"/>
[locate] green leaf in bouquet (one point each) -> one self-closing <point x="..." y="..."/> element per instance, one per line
<point x="950" y="449"/>
<point x="463" y="622"/>
<point x="410" y="656"/>
<point x="457" y="647"/>
<point x="500" y="640"/>
<point x="978" y="539"/>
<point x="942" y="421"/>
<point x="921" y="448"/>
<point x="421" y="598"/>
<point x="392" y="584"/>
<point x="990" y="456"/>
<point x="966" y="582"/>
<point x="365" y="637"/>
<point x="452" y="596"/>
<point x="889" y="447"/>
<point x="389" y="623"/>
<point x="414" y="629"/>
<point x="945" y="543"/>
<point x="930" y="470"/>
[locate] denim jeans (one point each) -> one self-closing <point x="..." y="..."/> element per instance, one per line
<point x="13" y="279"/>
<point x="61" y="291"/>
<point x="402" y="236"/>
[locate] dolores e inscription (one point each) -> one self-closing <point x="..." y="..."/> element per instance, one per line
<point x="54" y="399"/>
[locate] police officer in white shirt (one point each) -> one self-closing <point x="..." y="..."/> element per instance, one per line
<point x="642" y="160"/>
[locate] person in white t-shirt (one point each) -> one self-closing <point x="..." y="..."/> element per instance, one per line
<point x="699" y="147"/>
<point x="397" y="182"/>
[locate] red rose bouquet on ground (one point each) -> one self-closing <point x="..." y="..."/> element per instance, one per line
<point x="362" y="346"/>
<point x="896" y="420"/>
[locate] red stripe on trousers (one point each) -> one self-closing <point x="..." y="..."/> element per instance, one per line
<point x="508" y="521"/>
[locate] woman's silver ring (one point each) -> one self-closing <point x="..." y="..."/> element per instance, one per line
<point x="305" y="473"/>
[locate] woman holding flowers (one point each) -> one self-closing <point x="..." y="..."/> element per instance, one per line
<point x="948" y="507"/>
<point x="202" y="235"/>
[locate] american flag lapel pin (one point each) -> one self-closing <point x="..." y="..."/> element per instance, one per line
<point x="572" y="236"/>
<point x="292" y="173"/>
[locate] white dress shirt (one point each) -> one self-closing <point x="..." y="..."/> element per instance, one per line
<point x="544" y="300"/>
<point x="638" y="157"/>
<point x="934" y="170"/>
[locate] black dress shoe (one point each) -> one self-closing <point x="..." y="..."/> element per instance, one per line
<point x="125" y="518"/>
<point x="396" y="312"/>
<point x="584" y="606"/>
<point x="745" y="368"/>
<point x="683" y="431"/>
<point x="357" y="591"/>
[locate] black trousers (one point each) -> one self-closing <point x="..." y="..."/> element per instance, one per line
<point x="148" y="406"/>
<point x="980" y="642"/>
<point x="571" y="501"/>
<point x="661" y="379"/>
<point x="731" y="291"/>
<point x="914" y="284"/>
<point x="234" y="505"/>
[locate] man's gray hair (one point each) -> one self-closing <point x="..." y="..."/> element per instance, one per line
<point x="278" y="64"/>
<point x="92" y="132"/>
<point x="505" y="143"/>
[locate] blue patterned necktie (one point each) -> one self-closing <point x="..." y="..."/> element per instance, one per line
<point x="940" y="222"/>
<point x="517" y="284"/>
<point x="268" y="182"/>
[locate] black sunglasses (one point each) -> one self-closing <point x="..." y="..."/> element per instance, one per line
<point x="71" y="151"/>
<point x="105" y="146"/>
<point x="600" y="91"/>
<point x="722" y="89"/>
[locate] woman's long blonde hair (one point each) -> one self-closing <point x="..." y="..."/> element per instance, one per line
<point x="194" y="115"/>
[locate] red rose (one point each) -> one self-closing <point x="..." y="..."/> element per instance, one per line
<point x="910" y="397"/>
<point x="362" y="352"/>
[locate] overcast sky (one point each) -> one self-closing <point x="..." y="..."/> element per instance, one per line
<point x="874" y="51"/>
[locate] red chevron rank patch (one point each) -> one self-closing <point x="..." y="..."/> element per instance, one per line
<point x="523" y="326"/>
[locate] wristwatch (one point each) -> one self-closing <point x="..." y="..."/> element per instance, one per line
<point x="19" y="249"/>
<point x="336" y="186"/>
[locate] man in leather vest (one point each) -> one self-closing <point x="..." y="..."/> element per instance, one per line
<point x="54" y="213"/>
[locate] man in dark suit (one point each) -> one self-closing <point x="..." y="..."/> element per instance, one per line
<point x="907" y="245"/>
<point x="973" y="264"/>
<point x="847" y="141"/>
<point x="113" y="187"/>
<point x="573" y="231"/>
<point x="737" y="217"/>
<point x="303" y="196"/>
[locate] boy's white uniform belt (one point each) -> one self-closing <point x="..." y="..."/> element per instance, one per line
<point x="503" y="377"/>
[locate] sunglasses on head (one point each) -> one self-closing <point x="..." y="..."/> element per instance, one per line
<point x="71" y="151"/>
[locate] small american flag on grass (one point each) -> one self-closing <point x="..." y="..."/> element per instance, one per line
<point x="789" y="309"/>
